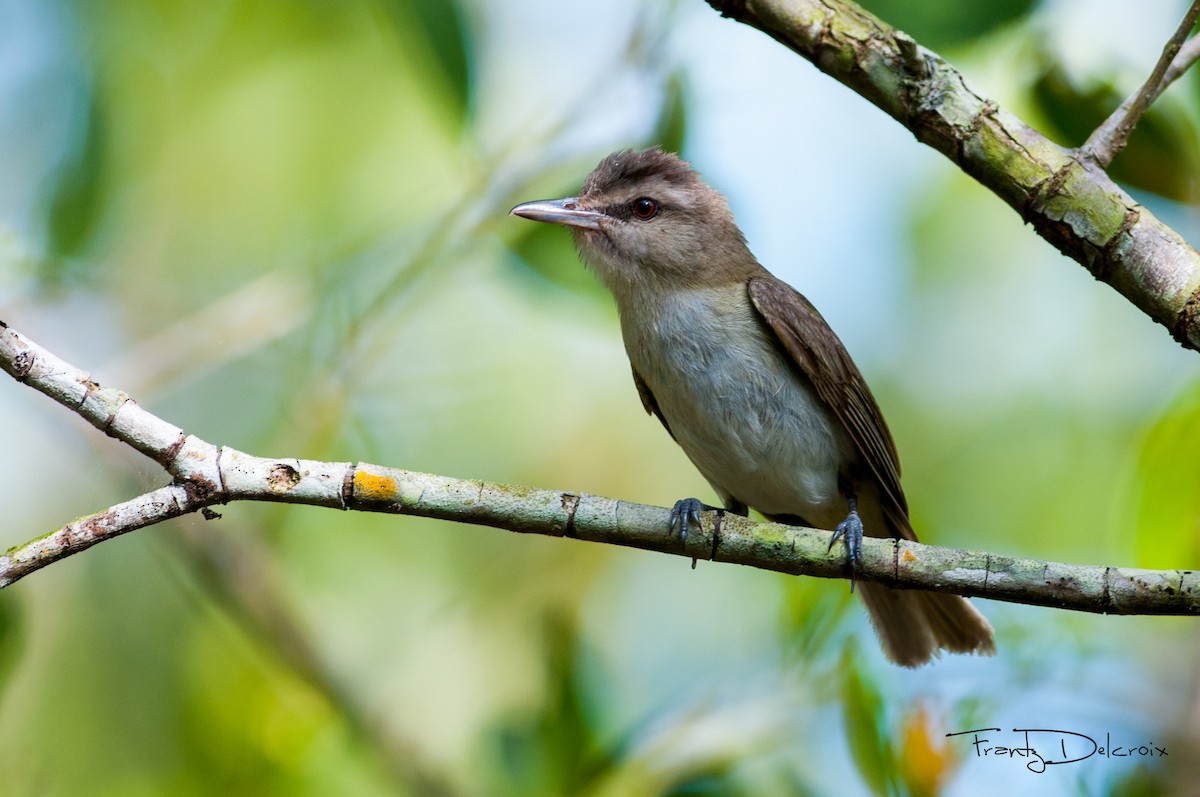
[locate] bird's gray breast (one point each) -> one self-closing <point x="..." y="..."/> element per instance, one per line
<point x="741" y="411"/>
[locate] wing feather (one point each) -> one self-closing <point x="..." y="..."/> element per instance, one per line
<point x="820" y="356"/>
<point x="649" y="402"/>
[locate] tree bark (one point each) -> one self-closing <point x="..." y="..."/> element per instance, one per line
<point x="205" y="475"/>
<point x="1067" y="198"/>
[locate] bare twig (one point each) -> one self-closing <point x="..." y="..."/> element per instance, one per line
<point x="1188" y="54"/>
<point x="206" y="475"/>
<point x="1111" y="136"/>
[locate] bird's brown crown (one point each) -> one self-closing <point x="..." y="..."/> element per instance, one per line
<point x="629" y="167"/>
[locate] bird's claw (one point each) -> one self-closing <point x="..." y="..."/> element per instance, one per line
<point x="852" y="530"/>
<point x="685" y="513"/>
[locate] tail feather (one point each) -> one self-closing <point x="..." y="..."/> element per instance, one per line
<point x="914" y="626"/>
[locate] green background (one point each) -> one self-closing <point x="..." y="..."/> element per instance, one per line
<point x="282" y="226"/>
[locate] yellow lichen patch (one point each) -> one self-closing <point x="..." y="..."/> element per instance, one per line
<point x="373" y="487"/>
<point x="907" y="556"/>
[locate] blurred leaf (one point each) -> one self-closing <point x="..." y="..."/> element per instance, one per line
<point x="12" y="637"/>
<point x="707" y="786"/>
<point x="442" y="22"/>
<point x="1142" y="781"/>
<point x="276" y="723"/>
<point x="812" y="616"/>
<point x="1163" y="153"/>
<point x="1168" y="487"/>
<point x="927" y="760"/>
<point x="1072" y="111"/>
<point x="76" y="192"/>
<point x="554" y="749"/>
<point x="441" y="25"/>
<point x="866" y="730"/>
<point x="945" y="23"/>
<point x="670" y="130"/>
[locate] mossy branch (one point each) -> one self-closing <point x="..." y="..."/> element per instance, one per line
<point x="1064" y="194"/>
<point x="204" y="475"/>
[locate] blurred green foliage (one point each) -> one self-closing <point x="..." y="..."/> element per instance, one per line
<point x="76" y="197"/>
<point x="12" y="638"/>
<point x="556" y="749"/>
<point x="1168" y="506"/>
<point x="946" y="23"/>
<point x="865" y="712"/>
<point x="283" y="227"/>
<point x="670" y="131"/>
<point x="439" y="26"/>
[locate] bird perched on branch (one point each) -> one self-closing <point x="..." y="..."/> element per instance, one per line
<point x="750" y="381"/>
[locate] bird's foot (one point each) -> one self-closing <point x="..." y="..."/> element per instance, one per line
<point x="852" y="530"/>
<point x="686" y="514"/>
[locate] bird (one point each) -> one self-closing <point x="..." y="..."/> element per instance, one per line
<point x="751" y="381"/>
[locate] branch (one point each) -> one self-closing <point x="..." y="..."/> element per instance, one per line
<point x="1189" y="53"/>
<point x="1110" y="137"/>
<point x="1069" y="200"/>
<point x="205" y="475"/>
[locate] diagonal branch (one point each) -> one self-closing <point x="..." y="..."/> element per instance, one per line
<point x="1110" y="137"/>
<point x="200" y="471"/>
<point x="1069" y="200"/>
<point x="205" y="475"/>
<point x="1189" y="53"/>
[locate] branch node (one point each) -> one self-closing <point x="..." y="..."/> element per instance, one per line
<point x="726" y="8"/>
<point x="198" y="489"/>
<point x="218" y="467"/>
<point x="1113" y="133"/>
<point x="90" y="386"/>
<point x="174" y="458"/>
<point x="347" y="495"/>
<point x="22" y="364"/>
<point x="716" y="535"/>
<point x="1107" y="259"/>
<point x="1186" y="319"/>
<point x="282" y="478"/>
<point x="895" y="561"/>
<point x="570" y="504"/>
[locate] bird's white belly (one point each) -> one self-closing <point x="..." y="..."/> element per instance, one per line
<point x="739" y="410"/>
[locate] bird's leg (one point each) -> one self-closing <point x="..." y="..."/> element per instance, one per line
<point x="852" y="529"/>
<point x="687" y="512"/>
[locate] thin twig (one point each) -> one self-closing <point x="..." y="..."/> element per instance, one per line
<point x="1111" y="136"/>
<point x="1188" y="54"/>
<point x="206" y="475"/>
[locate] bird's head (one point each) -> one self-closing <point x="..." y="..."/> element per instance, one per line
<point x="645" y="220"/>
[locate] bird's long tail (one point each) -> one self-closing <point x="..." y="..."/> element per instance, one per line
<point x="914" y="626"/>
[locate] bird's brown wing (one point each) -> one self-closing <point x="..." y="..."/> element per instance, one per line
<point x="816" y="350"/>
<point x="649" y="402"/>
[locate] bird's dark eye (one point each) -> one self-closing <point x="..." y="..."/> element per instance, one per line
<point x="645" y="208"/>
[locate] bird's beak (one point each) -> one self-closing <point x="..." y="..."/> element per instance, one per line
<point x="560" y="211"/>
